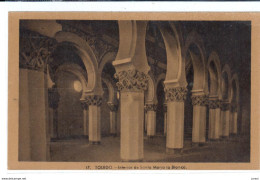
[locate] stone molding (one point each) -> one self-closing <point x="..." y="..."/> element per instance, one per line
<point x="93" y="100"/>
<point x="176" y="94"/>
<point x="35" y="50"/>
<point x="214" y="104"/>
<point x="150" y="107"/>
<point x="53" y="97"/>
<point x="131" y="80"/>
<point x="200" y="100"/>
<point x="113" y="107"/>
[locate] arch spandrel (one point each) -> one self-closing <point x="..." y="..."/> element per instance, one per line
<point x="199" y="62"/>
<point x="87" y="56"/>
<point x="131" y="53"/>
<point x="214" y="58"/>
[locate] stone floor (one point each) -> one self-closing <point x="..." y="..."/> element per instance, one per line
<point x="233" y="149"/>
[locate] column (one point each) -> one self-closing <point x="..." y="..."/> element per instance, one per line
<point x="24" y="117"/>
<point x="53" y="100"/>
<point x="113" y="118"/>
<point x="35" y="51"/>
<point x="151" y="119"/>
<point x="214" y="119"/>
<point x="199" y="103"/>
<point x="233" y="119"/>
<point x="131" y="85"/>
<point x="94" y="133"/>
<point x="225" y="111"/>
<point x="85" y="118"/>
<point x="165" y="118"/>
<point x="175" y="118"/>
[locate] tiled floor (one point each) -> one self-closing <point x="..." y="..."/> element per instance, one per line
<point x="234" y="149"/>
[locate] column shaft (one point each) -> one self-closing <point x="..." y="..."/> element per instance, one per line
<point x="217" y="124"/>
<point x="113" y="122"/>
<point x="85" y="122"/>
<point x="38" y="102"/>
<point x="94" y="124"/>
<point x="151" y="123"/>
<point x="24" y="117"/>
<point x="175" y="124"/>
<point x="165" y="123"/>
<point x="199" y="124"/>
<point x="132" y="117"/>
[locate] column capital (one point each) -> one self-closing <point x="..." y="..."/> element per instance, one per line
<point x="150" y="107"/>
<point x="225" y="105"/>
<point x="53" y="97"/>
<point x="112" y="106"/>
<point x="93" y="100"/>
<point x="84" y="105"/>
<point x="200" y="100"/>
<point x="214" y="103"/>
<point x="131" y="80"/>
<point x="175" y="94"/>
<point x="35" y="51"/>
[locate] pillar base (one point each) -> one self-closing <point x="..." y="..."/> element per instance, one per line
<point x="173" y="151"/>
<point x="94" y="142"/>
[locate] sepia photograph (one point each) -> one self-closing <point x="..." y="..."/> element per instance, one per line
<point x="128" y="93"/>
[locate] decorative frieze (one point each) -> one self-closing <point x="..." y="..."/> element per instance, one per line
<point x="150" y="107"/>
<point x="93" y="100"/>
<point x="200" y="100"/>
<point x="112" y="106"/>
<point x="176" y="94"/>
<point x="35" y="50"/>
<point x="214" y="104"/>
<point x="131" y="80"/>
<point x="98" y="45"/>
<point x="53" y="97"/>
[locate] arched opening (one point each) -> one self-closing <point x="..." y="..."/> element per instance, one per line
<point x="160" y="108"/>
<point x="188" y="107"/>
<point x="70" y="78"/>
<point x="70" y="114"/>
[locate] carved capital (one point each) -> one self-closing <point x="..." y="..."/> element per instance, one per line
<point x="53" y="97"/>
<point x="35" y="51"/>
<point x="131" y="80"/>
<point x="84" y="105"/>
<point x="112" y="106"/>
<point x="93" y="100"/>
<point x="225" y="106"/>
<point x="200" y="100"/>
<point x="176" y="94"/>
<point x="150" y="107"/>
<point x="214" y="104"/>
